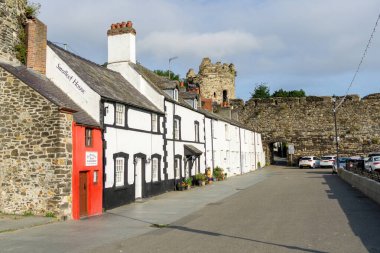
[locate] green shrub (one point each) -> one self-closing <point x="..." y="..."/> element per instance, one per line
<point x="50" y="215"/>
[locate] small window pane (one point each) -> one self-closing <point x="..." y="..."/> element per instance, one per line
<point x="154" y="122"/>
<point x="119" y="177"/>
<point x="155" y="169"/>
<point x="88" y="137"/>
<point x="120" y="115"/>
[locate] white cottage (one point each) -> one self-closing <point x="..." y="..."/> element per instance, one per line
<point x="133" y="133"/>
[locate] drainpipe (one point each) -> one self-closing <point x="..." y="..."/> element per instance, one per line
<point x="241" y="161"/>
<point x="173" y="136"/>
<point x="212" y="145"/>
<point x="254" y="143"/>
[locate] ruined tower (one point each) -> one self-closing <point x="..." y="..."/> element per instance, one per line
<point x="216" y="81"/>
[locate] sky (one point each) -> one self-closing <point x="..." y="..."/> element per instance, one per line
<point x="290" y="44"/>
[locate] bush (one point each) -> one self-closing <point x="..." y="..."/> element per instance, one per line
<point x="218" y="173"/>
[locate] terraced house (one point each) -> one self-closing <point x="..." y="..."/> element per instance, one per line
<point x="90" y="137"/>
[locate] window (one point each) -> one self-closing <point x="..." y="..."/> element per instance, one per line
<point x="155" y="169"/>
<point x="175" y="94"/>
<point x="95" y="179"/>
<point x="196" y="128"/>
<point x="88" y="137"/>
<point x="213" y="128"/>
<point x="177" y="128"/>
<point x="226" y="131"/>
<point x="154" y="123"/>
<point x="195" y="104"/>
<point x="119" y="171"/>
<point x="177" y="167"/>
<point x="120" y="115"/>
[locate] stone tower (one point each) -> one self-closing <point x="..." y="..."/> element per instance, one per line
<point x="216" y="81"/>
<point x="11" y="21"/>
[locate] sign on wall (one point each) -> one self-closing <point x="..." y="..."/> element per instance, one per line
<point x="91" y="158"/>
<point x="291" y="149"/>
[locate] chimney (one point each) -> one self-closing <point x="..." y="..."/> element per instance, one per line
<point x="36" y="45"/>
<point x="121" y="43"/>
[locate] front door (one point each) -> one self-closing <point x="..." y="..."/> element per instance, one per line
<point x="138" y="178"/>
<point x="83" y="193"/>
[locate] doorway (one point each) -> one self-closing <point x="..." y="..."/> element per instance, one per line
<point x="278" y="151"/>
<point x="83" y="194"/>
<point x="138" y="178"/>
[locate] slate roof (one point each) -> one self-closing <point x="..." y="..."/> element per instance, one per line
<point x="188" y="95"/>
<point x="47" y="89"/>
<point x="107" y="83"/>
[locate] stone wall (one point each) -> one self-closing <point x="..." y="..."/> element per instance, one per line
<point x="11" y="20"/>
<point x="214" y="78"/>
<point x="35" y="151"/>
<point x="308" y="123"/>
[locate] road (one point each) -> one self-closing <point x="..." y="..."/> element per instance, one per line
<point x="275" y="209"/>
<point x="292" y="210"/>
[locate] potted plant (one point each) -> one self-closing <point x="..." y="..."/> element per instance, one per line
<point x="218" y="174"/>
<point x="200" y="179"/>
<point x="188" y="182"/>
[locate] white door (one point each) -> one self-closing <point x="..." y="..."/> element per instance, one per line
<point x="138" y="179"/>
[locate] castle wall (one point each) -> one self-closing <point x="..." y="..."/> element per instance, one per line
<point x="308" y="123"/>
<point x="11" y="19"/>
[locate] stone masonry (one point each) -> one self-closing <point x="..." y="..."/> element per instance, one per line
<point x="308" y="123"/>
<point x="11" y="20"/>
<point x="214" y="79"/>
<point x="35" y="151"/>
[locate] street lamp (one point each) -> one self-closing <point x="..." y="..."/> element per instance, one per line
<point x="171" y="59"/>
<point x="336" y="130"/>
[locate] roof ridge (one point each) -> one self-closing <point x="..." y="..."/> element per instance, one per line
<point x="80" y="57"/>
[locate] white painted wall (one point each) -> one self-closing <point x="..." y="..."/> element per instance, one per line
<point x="122" y="48"/>
<point x="139" y="120"/>
<point x="131" y="142"/>
<point x="139" y="83"/>
<point x="69" y="82"/>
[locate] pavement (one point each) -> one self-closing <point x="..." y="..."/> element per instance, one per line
<point x="121" y="223"/>
<point x="9" y="222"/>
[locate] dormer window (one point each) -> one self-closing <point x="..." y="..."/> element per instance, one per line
<point x="195" y="105"/>
<point x="175" y="94"/>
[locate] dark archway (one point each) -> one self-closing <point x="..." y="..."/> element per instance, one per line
<point x="278" y="153"/>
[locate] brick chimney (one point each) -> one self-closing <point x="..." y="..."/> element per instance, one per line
<point x="36" y="45"/>
<point x="121" y="43"/>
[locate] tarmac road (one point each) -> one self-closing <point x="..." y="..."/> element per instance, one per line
<point x="292" y="210"/>
<point x="275" y="209"/>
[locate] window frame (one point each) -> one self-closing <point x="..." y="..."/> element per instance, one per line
<point x="120" y="115"/>
<point x="177" y="131"/>
<point x="154" y="122"/>
<point x="178" y="161"/>
<point x="196" y="131"/>
<point x="121" y="157"/>
<point x="88" y="137"/>
<point x="156" y="157"/>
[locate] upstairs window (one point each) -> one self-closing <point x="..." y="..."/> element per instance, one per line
<point x="195" y="104"/>
<point x="196" y="130"/>
<point x="120" y="115"/>
<point x="175" y="94"/>
<point x="177" y="129"/>
<point x="88" y="137"/>
<point x="154" y="123"/>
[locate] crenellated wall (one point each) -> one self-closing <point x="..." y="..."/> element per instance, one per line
<point x="213" y="79"/>
<point x="308" y="123"/>
<point x="11" y="21"/>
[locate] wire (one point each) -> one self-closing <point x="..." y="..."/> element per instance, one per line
<point x="360" y="63"/>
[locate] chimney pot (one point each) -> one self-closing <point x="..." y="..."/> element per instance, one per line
<point x="123" y="24"/>
<point x="129" y="24"/>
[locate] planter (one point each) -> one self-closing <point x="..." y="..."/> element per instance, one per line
<point x="188" y="187"/>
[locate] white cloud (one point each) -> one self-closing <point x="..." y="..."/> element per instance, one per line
<point x="215" y="45"/>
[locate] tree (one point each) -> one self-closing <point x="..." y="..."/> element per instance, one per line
<point x="165" y="73"/>
<point x="292" y="93"/>
<point x="261" y="91"/>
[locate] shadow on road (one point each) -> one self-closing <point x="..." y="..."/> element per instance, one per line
<point x="363" y="213"/>
<point x="209" y="233"/>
